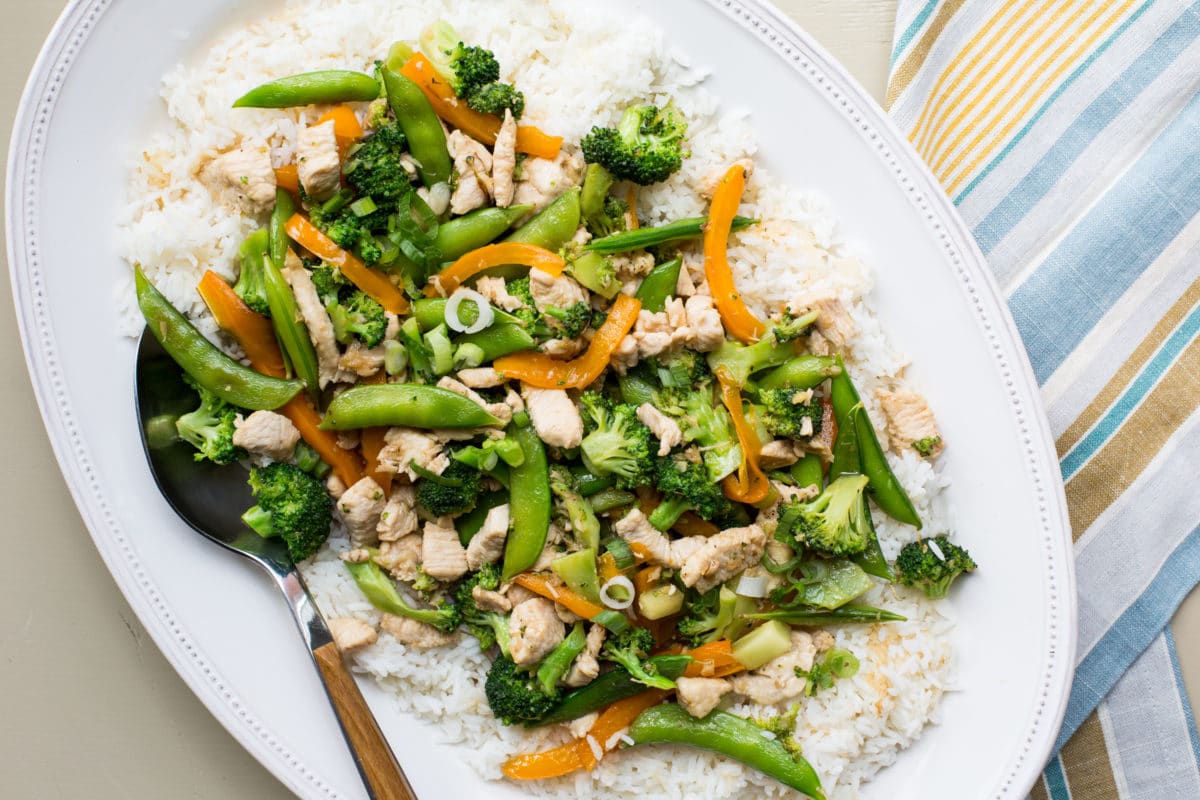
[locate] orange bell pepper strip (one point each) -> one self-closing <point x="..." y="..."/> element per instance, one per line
<point x="374" y="284"/>
<point x="713" y="660"/>
<point x="371" y="441"/>
<point x="287" y="178"/>
<point x="345" y="123"/>
<point x="621" y="714"/>
<point x="257" y="338"/>
<point x="468" y="266"/>
<point x="631" y="201"/>
<point x="562" y="760"/>
<point x="738" y="319"/>
<point x="576" y="603"/>
<point x="539" y="369"/>
<point x="691" y="525"/>
<point x="481" y="127"/>
<point x="749" y="484"/>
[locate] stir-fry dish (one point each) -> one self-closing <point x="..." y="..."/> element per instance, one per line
<point x="530" y="420"/>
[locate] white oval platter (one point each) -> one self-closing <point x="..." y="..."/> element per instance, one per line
<point x="220" y="623"/>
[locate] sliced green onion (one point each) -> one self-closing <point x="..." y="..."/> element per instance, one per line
<point x="841" y="663"/>
<point x="395" y="357"/>
<point x="468" y="355"/>
<point x="441" y="350"/>
<point x="621" y="552"/>
<point x="363" y="206"/>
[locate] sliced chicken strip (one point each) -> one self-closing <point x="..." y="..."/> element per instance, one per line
<point x="350" y="633"/>
<point x="504" y="161"/>
<point x="266" y="433"/>
<point x="316" y="319"/>
<point x="534" y="630"/>
<point x="360" y="508"/>
<point x="318" y="161"/>
<point x="555" y="417"/>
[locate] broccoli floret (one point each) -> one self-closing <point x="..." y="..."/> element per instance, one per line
<point x="617" y="444"/>
<point x="530" y="317"/>
<point x="927" y="445"/>
<point x="784" y="412"/>
<point x="791" y="327"/>
<point x="783" y="726"/>
<point x="682" y="369"/>
<point x="495" y="97"/>
<point x="630" y="649"/>
<point x="210" y="427"/>
<point x="251" y="284"/>
<point x="646" y="146"/>
<point x="705" y="422"/>
<point x="708" y="616"/>
<point x="686" y="487"/>
<point x="328" y="282"/>
<point x="514" y="694"/>
<point x="578" y="511"/>
<point x="358" y="316"/>
<point x="489" y="627"/>
<point x="453" y="492"/>
<point x="933" y="565"/>
<point x="291" y="504"/>
<point x="835" y="523"/>
<point x="473" y="72"/>
<point x="741" y="360"/>
<point x="374" y="167"/>
<point x="603" y="213"/>
<point x="574" y="320"/>
<point x="381" y="591"/>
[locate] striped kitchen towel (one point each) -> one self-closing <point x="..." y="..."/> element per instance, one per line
<point x="1067" y="132"/>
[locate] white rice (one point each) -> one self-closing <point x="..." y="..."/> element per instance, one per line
<point x="578" y="66"/>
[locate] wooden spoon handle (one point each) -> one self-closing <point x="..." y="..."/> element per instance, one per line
<point x="383" y="776"/>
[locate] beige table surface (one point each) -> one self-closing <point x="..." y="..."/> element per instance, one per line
<point x="89" y="707"/>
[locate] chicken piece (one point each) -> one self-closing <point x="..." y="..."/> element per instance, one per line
<point x="335" y="487"/>
<point x="823" y="641"/>
<point x="633" y="265"/>
<point x="490" y="601"/>
<point x="473" y="165"/>
<point x="415" y="634"/>
<point x="710" y="182"/>
<point x="359" y="555"/>
<point x="360" y="508"/>
<point x="544" y="179"/>
<point x="776" y="681"/>
<point x="498" y="410"/>
<point x="555" y="418"/>
<point x="635" y="528"/>
<point x="402" y="557"/>
<point x="534" y="630"/>
<point x="586" y="667"/>
<point x="318" y="161"/>
<point x="516" y="593"/>
<point x="547" y="556"/>
<point x="663" y="427"/>
<point x="349" y="440"/>
<point x="265" y="433"/>
<point x="685" y="287"/>
<point x="442" y="555"/>
<point x="699" y="696"/>
<point x="350" y="633"/>
<point x="664" y="331"/>
<point x="514" y="401"/>
<point x="316" y="319"/>
<point x="399" y="516"/>
<point x="481" y="378"/>
<point x="909" y="420"/>
<point x="495" y="292"/>
<point x="403" y="446"/>
<point x="487" y="545"/>
<point x="779" y="453"/>
<point x="625" y="356"/>
<point x="563" y="349"/>
<point x="551" y="292"/>
<point x="361" y="360"/>
<point x="833" y="322"/>
<point x="504" y="161"/>
<point x="822" y="443"/>
<point x="242" y="179"/>
<point x="704" y="322"/>
<point x="723" y="556"/>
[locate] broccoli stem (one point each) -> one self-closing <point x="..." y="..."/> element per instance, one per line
<point x="259" y="521"/>
<point x="668" y="512"/>
<point x="559" y="661"/>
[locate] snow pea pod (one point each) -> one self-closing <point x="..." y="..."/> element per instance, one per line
<point x="292" y="333"/>
<point x="421" y="126"/>
<point x="847" y="460"/>
<point x="498" y="340"/>
<point x="285" y="207"/>
<point x="608" y="689"/>
<point x="209" y="367"/>
<point x="729" y="736"/>
<point x="808" y="471"/>
<point x="680" y="229"/>
<point x="885" y="487"/>
<point x="845" y="447"/>
<point x="483" y="226"/>
<point x="554" y="225"/>
<point x="412" y="405"/>
<point x="635" y="389"/>
<point x="530" y="491"/>
<point x="802" y="372"/>
<point x="845" y="614"/>
<point x="431" y="312"/>
<point x="659" y="284"/>
<point x="308" y="88"/>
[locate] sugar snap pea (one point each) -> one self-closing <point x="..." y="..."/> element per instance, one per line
<point x="554" y="225"/>
<point x="431" y="312"/>
<point x="530" y="492"/>
<point x="730" y="736"/>
<point x="680" y="229"/>
<point x="412" y="405"/>
<point x="498" y="340"/>
<point x="802" y="372"/>
<point x="609" y="688"/>
<point x="815" y="617"/>
<point x="292" y="333"/>
<point x="308" y="88"/>
<point x="471" y="231"/>
<point x="659" y="284"/>
<point x="209" y="367"/>
<point x="284" y="208"/>
<point x="422" y="128"/>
